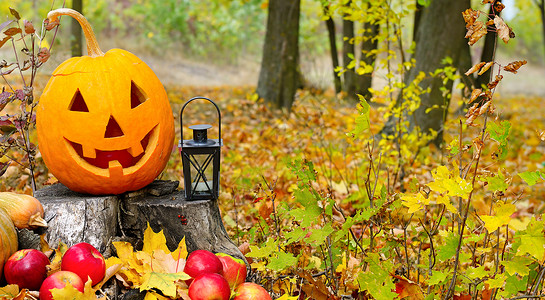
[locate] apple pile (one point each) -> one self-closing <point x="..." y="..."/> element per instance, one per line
<point x="28" y="269"/>
<point x="217" y="276"/>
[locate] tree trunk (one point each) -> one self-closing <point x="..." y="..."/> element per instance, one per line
<point x="417" y="17"/>
<point x="541" y="6"/>
<point x="440" y="34"/>
<point x="465" y="64"/>
<point x="76" y="41"/>
<point x="368" y="57"/>
<point x="330" y="24"/>
<point x="348" y="56"/>
<point x="489" y="49"/>
<point x="277" y="82"/>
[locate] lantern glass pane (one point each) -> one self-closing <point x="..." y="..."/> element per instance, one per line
<point x="202" y="174"/>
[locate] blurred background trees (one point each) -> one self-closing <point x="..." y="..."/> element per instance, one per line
<point x="356" y="46"/>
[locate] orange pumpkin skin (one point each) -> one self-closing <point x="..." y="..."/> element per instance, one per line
<point x="8" y="239"/>
<point x="99" y="106"/>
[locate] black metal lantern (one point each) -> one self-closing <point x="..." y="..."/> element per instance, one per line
<point x="200" y="159"/>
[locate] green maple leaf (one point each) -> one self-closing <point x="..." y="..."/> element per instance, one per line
<point x="531" y="178"/>
<point x="532" y="240"/>
<point x="318" y="236"/>
<point x="437" y="278"/>
<point x="281" y="261"/>
<point x="265" y="251"/>
<point x="165" y="282"/>
<point x="499" y="132"/>
<point x="513" y="285"/>
<point x="496" y="282"/>
<point x="448" y="250"/>
<point x="518" y="265"/>
<point x="377" y="280"/>
<point x="497" y="183"/>
<point x="362" y="120"/>
<point x="477" y="273"/>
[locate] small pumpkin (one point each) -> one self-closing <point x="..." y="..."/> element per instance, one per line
<point x="24" y="211"/>
<point x="104" y="122"/>
<point x="8" y="239"/>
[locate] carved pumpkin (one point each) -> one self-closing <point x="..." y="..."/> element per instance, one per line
<point x="104" y="122"/>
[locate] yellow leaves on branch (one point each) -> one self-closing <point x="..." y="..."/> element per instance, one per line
<point x="445" y="184"/>
<point x="154" y="268"/>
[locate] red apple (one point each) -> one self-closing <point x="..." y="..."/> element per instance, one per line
<point x="209" y="286"/>
<point x="251" y="291"/>
<point x="200" y="262"/>
<point x="84" y="260"/>
<point x="58" y="280"/>
<point x="234" y="269"/>
<point x="27" y="269"/>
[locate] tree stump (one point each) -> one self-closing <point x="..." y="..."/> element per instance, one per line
<point x="74" y="218"/>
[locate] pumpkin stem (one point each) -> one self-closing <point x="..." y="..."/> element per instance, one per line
<point x="93" y="50"/>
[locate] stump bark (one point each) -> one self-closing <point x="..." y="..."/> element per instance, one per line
<point x="74" y="218"/>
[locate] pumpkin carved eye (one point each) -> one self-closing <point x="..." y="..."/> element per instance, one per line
<point x="78" y="103"/>
<point x="137" y="95"/>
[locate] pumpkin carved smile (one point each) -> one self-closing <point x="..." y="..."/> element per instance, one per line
<point x="111" y="159"/>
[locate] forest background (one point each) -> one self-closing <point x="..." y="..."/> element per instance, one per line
<point x="321" y="208"/>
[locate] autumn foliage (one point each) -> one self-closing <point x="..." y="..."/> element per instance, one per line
<point x="323" y="207"/>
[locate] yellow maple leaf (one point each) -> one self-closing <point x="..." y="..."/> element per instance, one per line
<point x="288" y="297"/>
<point x="445" y="200"/>
<point x="70" y="292"/>
<point x="181" y="251"/>
<point x="165" y="282"/>
<point x="450" y="183"/>
<point x="155" y="267"/>
<point x="414" y="202"/>
<point x="503" y="212"/>
<point x="154" y="241"/>
<point x="9" y="291"/>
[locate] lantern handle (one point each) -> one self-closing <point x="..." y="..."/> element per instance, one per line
<point x="191" y="100"/>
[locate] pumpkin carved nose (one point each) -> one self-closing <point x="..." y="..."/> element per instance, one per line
<point x="113" y="129"/>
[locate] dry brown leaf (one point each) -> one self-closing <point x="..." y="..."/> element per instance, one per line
<point x="315" y="289"/>
<point x="484" y="108"/>
<point x="475" y="68"/>
<point x="43" y="55"/>
<point x="496" y="81"/>
<point x="488" y="1"/>
<point x="469" y="121"/>
<point x="475" y="32"/>
<point x="498" y="7"/>
<point x="29" y="28"/>
<point x="12" y="31"/>
<point x="470" y="16"/>
<point x="502" y="29"/>
<point x="486" y="67"/>
<point x="514" y="66"/>
<point x="475" y="95"/>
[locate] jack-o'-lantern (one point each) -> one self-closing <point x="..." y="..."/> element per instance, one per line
<point x="104" y="122"/>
